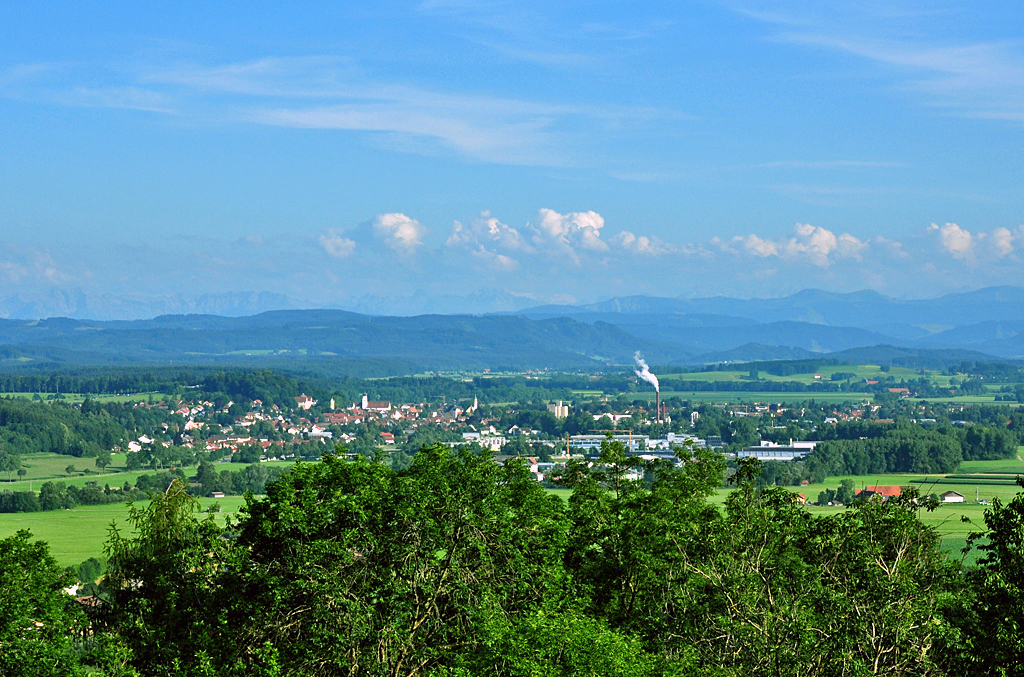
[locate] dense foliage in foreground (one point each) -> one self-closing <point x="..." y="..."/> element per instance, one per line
<point x="457" y="566"/>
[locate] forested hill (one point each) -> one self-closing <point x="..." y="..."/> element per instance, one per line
<point x="342" y="343"/>
<point x="430" y="341"/>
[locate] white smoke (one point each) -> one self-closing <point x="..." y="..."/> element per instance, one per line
<point x="644" y="372"/>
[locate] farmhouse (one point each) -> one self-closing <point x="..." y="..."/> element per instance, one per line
<point x="952" y="497"/>
<point x="885" y="492"/>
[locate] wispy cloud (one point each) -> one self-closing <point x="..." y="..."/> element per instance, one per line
<point x="332" y="93"/>
<point x="975" y="78"/>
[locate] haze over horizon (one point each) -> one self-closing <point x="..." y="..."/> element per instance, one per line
<point x="481" y="156"/>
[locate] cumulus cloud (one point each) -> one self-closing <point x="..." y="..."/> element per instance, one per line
<point x="955" y="240"/>
<point x="336" y="245"/>
<point x="815" y="244"/>
<point x="756" y="246"/>
<point x="486" y="237"/>
<point x="487" y="229"/>
<point x="567" y="233"/>
<point x="1002" y="240"/>
<point x="642" y="244"/>
<point x="850" y="247"/>
<point x="399" y="232"/>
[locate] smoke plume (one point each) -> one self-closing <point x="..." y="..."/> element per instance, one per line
<point x="644" y="372"/>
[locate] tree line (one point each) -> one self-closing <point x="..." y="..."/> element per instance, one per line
<point x="866" y="448"/>
<point x="56" y="495"/>
<point x="456" y="566"/>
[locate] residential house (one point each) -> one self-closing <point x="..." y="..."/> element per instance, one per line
<point x="882" y="491"/>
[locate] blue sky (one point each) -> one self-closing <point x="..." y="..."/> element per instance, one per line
<point x="404" y="155"/>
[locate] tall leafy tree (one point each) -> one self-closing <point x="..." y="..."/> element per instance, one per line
<point x="38" y="620"/>
<point x="161" y="583"/>
<point x="990" y="612"/>
<point x="353" y="568"/>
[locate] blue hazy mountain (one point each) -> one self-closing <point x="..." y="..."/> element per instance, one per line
<point x="433" y="341"/>
<point x="864" y="309"/>
<point x="989" y="321"/>
<point x="985" y="324"/>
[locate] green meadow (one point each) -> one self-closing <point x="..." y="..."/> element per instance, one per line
<point x="43" y="467"/>
<point x="861" y="372"/>
<point x="982" y="480"/>
<point x="76" y="535"/>
<point x="746" y="397"/>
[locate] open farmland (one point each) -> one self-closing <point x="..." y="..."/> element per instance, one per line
<point x="44" y="467"/>
<point x="755" y="396"/>
<point x="984" y="480"/>
<point x="78" y="534"/>
<point x="861" y="372"/>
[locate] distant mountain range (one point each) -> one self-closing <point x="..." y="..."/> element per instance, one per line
<point x="988" y="321"/>
<point x="447" y="342"/>
<point x="861" y="327"/>
<point x="78" y="304"/>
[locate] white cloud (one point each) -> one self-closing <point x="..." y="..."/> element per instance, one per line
<point x="331" y="93"/>
<point x="960" y="243"/>
<point x="487" y="229"/>
<point x="1002" y="241"/>
<point x="566" y="233"/>
<point x="336" y="245"/>
<point x="755" y="246"/>
<point x="851" y="247"/>
<point x="982" y="79"/>
<point x="642" y="244"/>
<point x="486" y="236"/>
<point x="815" y="244"/>
<point x="956" y="240"/>
<point x="399" y="232"/>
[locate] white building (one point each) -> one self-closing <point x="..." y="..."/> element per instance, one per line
<point x="632" y="442"/>
<point x="769" y="451"/>
<point x="952" y="497"/>
<point x="559" y="410"/>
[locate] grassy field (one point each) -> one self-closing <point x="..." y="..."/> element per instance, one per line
<point x="43" y="467"/>
<point x="781" y="398"/>
<point x="861" y="372"/>
<point x="1005" y="466"/>
<point x="947" y="518"/>
<point x="76" y="535"/>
